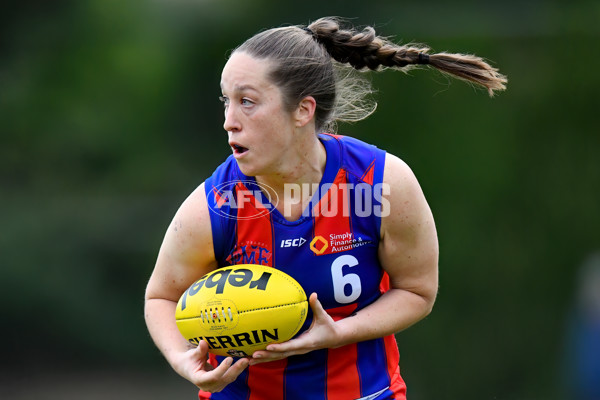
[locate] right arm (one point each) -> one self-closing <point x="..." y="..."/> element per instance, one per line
<point x="185" y="255"/>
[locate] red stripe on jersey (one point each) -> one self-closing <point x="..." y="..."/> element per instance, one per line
<point x="266" y="381"/>
<point x="343" y="381"/>
<point x="220" y="199"/>
<point x="384" y="285"/>
<point x="335" y="136"/>
<point x="397" y="384"/>
<point x="332" y="218"/>
<point x="369" y="174"/>
<point x="341" y="312"/>
<point x="248" y="206"/>
<point x="254" y="232"/>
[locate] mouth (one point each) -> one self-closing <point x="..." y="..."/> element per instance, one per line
<point x="238" y="150"/>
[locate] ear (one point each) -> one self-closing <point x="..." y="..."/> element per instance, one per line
<point x="305" y="111"/>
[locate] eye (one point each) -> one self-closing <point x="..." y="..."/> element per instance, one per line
<point x="224" y="100"/>
<point x="246" y="102"/>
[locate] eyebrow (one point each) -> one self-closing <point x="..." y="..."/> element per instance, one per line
<point x="242" y="88"/>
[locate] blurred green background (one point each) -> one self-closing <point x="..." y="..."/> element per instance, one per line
<point x="109" y="118"/>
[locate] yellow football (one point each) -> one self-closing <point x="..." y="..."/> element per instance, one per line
<point x="240" y="309"/>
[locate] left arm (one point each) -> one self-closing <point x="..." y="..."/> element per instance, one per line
<point x="408" y="252"/>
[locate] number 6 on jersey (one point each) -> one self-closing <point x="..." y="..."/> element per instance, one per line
<point x="340" y="281"/>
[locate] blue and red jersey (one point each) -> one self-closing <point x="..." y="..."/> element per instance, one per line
<point x="331" y="250"/>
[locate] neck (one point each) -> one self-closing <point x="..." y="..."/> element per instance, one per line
<point x="300" y="172"/>
<point x="304" y="164"/>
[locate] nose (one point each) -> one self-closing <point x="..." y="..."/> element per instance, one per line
<point x="231" y="123"/>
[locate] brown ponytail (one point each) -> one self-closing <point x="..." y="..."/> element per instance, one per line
<point x="364" y="49"/>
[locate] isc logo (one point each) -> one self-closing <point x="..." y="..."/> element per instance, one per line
<point x="293" y="242"/>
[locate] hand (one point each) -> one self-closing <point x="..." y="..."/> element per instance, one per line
<point x="321" y="334"/>
<point x="194" y="366"/>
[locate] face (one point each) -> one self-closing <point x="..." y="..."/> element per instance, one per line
<point x="260" y="130"/>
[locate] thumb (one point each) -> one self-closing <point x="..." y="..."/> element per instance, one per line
<point x="200" y="355"/>
<point x="201" y="351"/>
<point x="315" y="305"/>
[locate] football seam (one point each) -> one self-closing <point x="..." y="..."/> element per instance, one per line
<point x="276" y="306"/>
<point x="254" y="309"/>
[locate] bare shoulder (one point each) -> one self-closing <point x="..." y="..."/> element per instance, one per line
<point x="186" y="252"/>
<point x="396" y="171"/>
<point x="408" y="249"/>
<point x="406" y="199"/>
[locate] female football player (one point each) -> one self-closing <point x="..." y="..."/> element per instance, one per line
<point x="351" y="223"/>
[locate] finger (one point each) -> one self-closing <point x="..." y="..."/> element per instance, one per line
<point x="202" y="349"/>
<point x="315" y="304"/>
<point x="230" y="369"/>
<point x="236" y="369"/>
<point x="267" y="357"/>
<point x="271" y="353"/>
<point x="200" y="355"/>
<point x="317" y="309"/>
<point x="223" y="375"/>
<point x="222" y="368"/>
<point x="281" y="350"/>
<point x="299" y="345"/>
<point x="212" y="381"/>
<point x="276" y="350"/>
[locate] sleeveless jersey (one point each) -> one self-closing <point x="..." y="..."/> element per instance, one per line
<point x="331" y="250"/>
